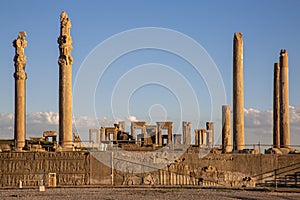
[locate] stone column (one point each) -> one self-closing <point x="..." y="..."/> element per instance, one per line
<point x="238" y="93"/>
<point x="203" y="136"/>
<point x="284" y="100"/>
<point x="170" y="133"/>
<point x="186" y="132"/>
<point x="159" y="131"/>
<point x="210" y="130"/>
<point x="20" y="91"/>
<point x="103" y="136"/>
<point x="91" y="136"/>
<point x="133" y="136"/>
<point x="65" y="62"/>
<point x="226" y="140"/>
<point x="276" y="106"/>
<point x="197" y="137"/>
<point x="98" y="136"/>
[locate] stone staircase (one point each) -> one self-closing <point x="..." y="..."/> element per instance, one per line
<point x="288" y="176"/>
<point x="289" y="180"/>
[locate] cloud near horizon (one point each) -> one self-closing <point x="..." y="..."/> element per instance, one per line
<point x="258" y="124"/>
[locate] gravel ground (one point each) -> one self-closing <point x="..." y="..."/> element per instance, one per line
<point x="141" y="193"/>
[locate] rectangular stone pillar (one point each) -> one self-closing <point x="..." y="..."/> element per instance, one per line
<point x="276" y="106"/>
<point x="210" y="131"/>
<point x="186" y="132"/>
<point x="133" y="135"/>
<point x="91" y="136"/>
<point x="103" y="135"/>
<point x="98" y="136"/>
<point x="284" y="100"/>
<point x="170" y="134"/>
<point x="197" y="137"/>
<point x="226" y="139"/>
<point x="238" y="93"/>
<point x="203" y="137"/>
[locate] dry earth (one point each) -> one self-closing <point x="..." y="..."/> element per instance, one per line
<point x="142" y="193"/>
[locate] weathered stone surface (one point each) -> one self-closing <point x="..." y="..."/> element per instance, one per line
<point x="284" y="100"/>
<point x="276" y="106"/>
<point x="20" y="91"/>
<point x="71" y="168"/>
<point x="65" y="62"/>
<point x="238" y="93"/>
<point x="210" y="127"/>
<point x="226" y="139"/>
<point x="186" y="132"/>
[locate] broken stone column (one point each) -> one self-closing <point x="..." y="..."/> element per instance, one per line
<point x="170" y="132"/>
<point x="210" y="130"/>
<point x="65" y="62"/>
<point x="20" y="91"/>
<point x="284" y="100"/>
<point x="186" y="132"/>
<point x="103" y="135"/>
<point x="91" y="136"/>
<point x="226" y="140"/>
<point x="276" y="106"/>
<point x="197" y="137"/>
<point x="203" y="137"/>
<point x="238" y="93"/>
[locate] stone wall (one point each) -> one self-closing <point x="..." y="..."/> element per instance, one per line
<point x="33" y="168"/>
<point x="143" y="168"/>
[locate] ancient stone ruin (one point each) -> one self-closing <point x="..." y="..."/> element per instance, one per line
<point x="150" y="154"/>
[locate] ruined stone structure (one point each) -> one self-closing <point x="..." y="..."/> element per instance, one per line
<point x="186" y="132"/>
<point x="122" y="126"/>
<point x="210" y="130"/>
<point x="201" y="137"/>
<point x="34" y="169"/>
<point x="284" y="100"/>
<point x="141" y="126"/>
<point x="65" y="62"/>
<point x="169" y="127"/>
<point x="226" y="139"/>
<point x="177" y="139"/>
<point x="108" y="131"/>
<point x="20" y="91"/>
<point x="152" y="135"/>
<point x="154" y="159"/>
<point x="238" y="93"/>
<point x="98" y="136"/>
<point x="276" y="106"/>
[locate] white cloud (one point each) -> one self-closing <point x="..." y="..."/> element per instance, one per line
<point x="132" y="118"/>
<point x="258" y="124"/>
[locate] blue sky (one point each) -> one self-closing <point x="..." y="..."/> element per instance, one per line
<point x="267" y="27"/>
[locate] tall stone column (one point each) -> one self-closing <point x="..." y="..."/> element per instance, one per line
<point x="20" y="91"/>
<point x="284" y="100"/>
<point x="65" y="62"/>
<point x="226" y="140"/>
<point x="238" y="93"/>
<point x="276" y="106"/>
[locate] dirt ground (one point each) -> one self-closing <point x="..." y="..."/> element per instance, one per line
<point x="142" y="193"/>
